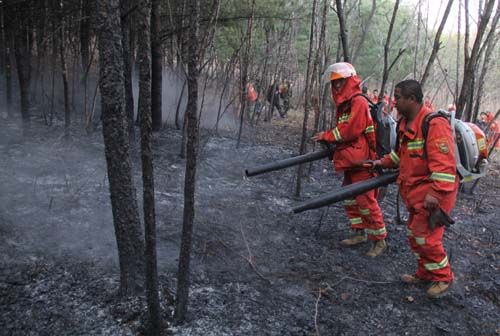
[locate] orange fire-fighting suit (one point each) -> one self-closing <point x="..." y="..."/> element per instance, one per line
<point x="493" y="131"/>
<point x="426" y="166"/>
<point x="354" y="136"/>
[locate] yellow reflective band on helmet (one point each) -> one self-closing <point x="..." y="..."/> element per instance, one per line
<point x="409" y="233"/>
<point x="356" y="220"/>
<point x="481" y="144"/>
<point x="420" y="240"/>
<point x="370" y="129"/>
<point x="364" y="212"/>
<point x="349" y="202"/>
<point x="416" y="144"/>
<point x="336" y="134"/>
<point x="417" y="255"/>
<point x="376" y="232"/>
<point x="394" y="157"/>
<point x="443" y="177"/>
<point x="436" y="266"/>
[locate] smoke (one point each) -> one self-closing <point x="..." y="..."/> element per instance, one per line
<point x="210" y="105"/>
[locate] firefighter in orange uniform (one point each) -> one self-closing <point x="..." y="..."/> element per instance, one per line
<point x="427" y="180"/>
<point x="354" y="136"/>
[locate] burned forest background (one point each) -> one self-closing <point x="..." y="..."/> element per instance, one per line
<point x="126" y="128"/>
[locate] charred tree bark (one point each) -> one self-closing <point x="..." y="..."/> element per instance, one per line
<point x="64" y="70"/>
<point x="489" y="46"/>
<point x="7" y="54"/>
<point x="22" y="51"/>
<point x="307" y="93"/>
<point x="387" y="46"/>
<point x="121" y="188"/>
<point x="364" y="32"/>
<point x="244" y="73"/>
<point x="343" y="30"/>
<point x="183" y="277"/>
<point x="144" y="17"/>
<point x="157" y="66"/>
<point x="437" y="44"/>
<point x="471" y="63"/>
<point x="125" y="21"/>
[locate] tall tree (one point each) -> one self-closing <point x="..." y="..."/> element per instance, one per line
<point x="437" y="44"/>
<point x="387" y="48"/>
<point x="157" y="65"/>
<point x="144" y="58"/>
<point x="126" y="15"/>
<point x="23" y="39"/>
<point x="343" y="31"/>
<point x="471" y="63"/>
<point x="307" y="94"/>
<point x="364" y="32"/>
<point x="59" y="7"/>
<point x="183" y="277"/>
<point x="114" y="127"/>
<point x="244" y="71"/>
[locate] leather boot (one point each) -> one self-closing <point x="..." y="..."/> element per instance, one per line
<point x="438" y="288"/>
<point x="377" y="249"/>
<point x="359" y="237"/>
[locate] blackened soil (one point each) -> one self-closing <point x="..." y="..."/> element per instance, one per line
<point x="257" y="269"/>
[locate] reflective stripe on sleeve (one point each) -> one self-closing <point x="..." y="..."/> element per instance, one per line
<point x="370" y="129"/>
<point x="336" y="134"/>
<point x="409" y="233"/>
<point x="416" y="144"/>
<point x="443" y="177"/>
<point x="364" y="212"/>
<point x="394" y="157"/>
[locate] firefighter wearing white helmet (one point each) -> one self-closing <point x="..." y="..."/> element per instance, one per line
<point x="354" y="136"/>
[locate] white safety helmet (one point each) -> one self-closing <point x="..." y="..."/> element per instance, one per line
<point x="339" y="70"/>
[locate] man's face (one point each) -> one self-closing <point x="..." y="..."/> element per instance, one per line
<point x="338" y="84"/>
<point x="401" y="103"/>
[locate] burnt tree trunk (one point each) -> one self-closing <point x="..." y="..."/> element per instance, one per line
<point x="343" y="31"/>
<point x="125" y="21"/>
<point x="121" y="188"/>
<point x="183" y="278"/>
<point x="365" y="28"/>
<point x="64" y="70"/>
<point x="22" y="51"/>
<point x="144" y="58"/>
<point x="7" y="54"/>
<point x="157" y="65"/>
<point x="437" y="44"/>
<point x="244" y="72"/>
<point x="387" y="46"/>
<point x="307" y="93"/>
<point x="471" y="63"/>
<point x="490" y="44"/>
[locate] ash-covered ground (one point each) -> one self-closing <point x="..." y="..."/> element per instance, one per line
<point x="257" y="269"/>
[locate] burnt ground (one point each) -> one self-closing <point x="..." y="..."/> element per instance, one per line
<point x="257" y="269"/>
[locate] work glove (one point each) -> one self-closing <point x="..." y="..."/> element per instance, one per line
<point x="439" y="218"/>
<point x="372" y="164"/>
<point x="430" y="202"/>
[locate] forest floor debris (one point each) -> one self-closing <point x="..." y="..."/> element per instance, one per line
<point x="257" y="269"/>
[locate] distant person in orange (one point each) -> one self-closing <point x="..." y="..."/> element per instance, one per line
<point x="374" y="96"/>
<point x="493" y="130"/>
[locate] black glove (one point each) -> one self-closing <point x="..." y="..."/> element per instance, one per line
<point x="439" y="218"/>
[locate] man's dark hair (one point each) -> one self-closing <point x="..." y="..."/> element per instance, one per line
<point x="364" y="89"/>
<point x="411" y="87"/>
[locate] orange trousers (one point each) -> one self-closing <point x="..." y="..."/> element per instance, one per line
<point x="363" y="210"/>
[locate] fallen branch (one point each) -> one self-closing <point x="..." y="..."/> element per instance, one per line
<point x="250" y="258"/>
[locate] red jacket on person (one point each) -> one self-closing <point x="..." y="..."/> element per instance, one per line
<point x="354" y="133"/>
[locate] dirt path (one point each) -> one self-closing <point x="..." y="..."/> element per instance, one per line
<point x="257" y="268"/>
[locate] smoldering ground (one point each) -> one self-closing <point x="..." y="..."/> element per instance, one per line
<point x="256" y="268"/>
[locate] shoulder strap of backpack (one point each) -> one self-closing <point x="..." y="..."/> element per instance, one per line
<point x="425" y="126"/>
